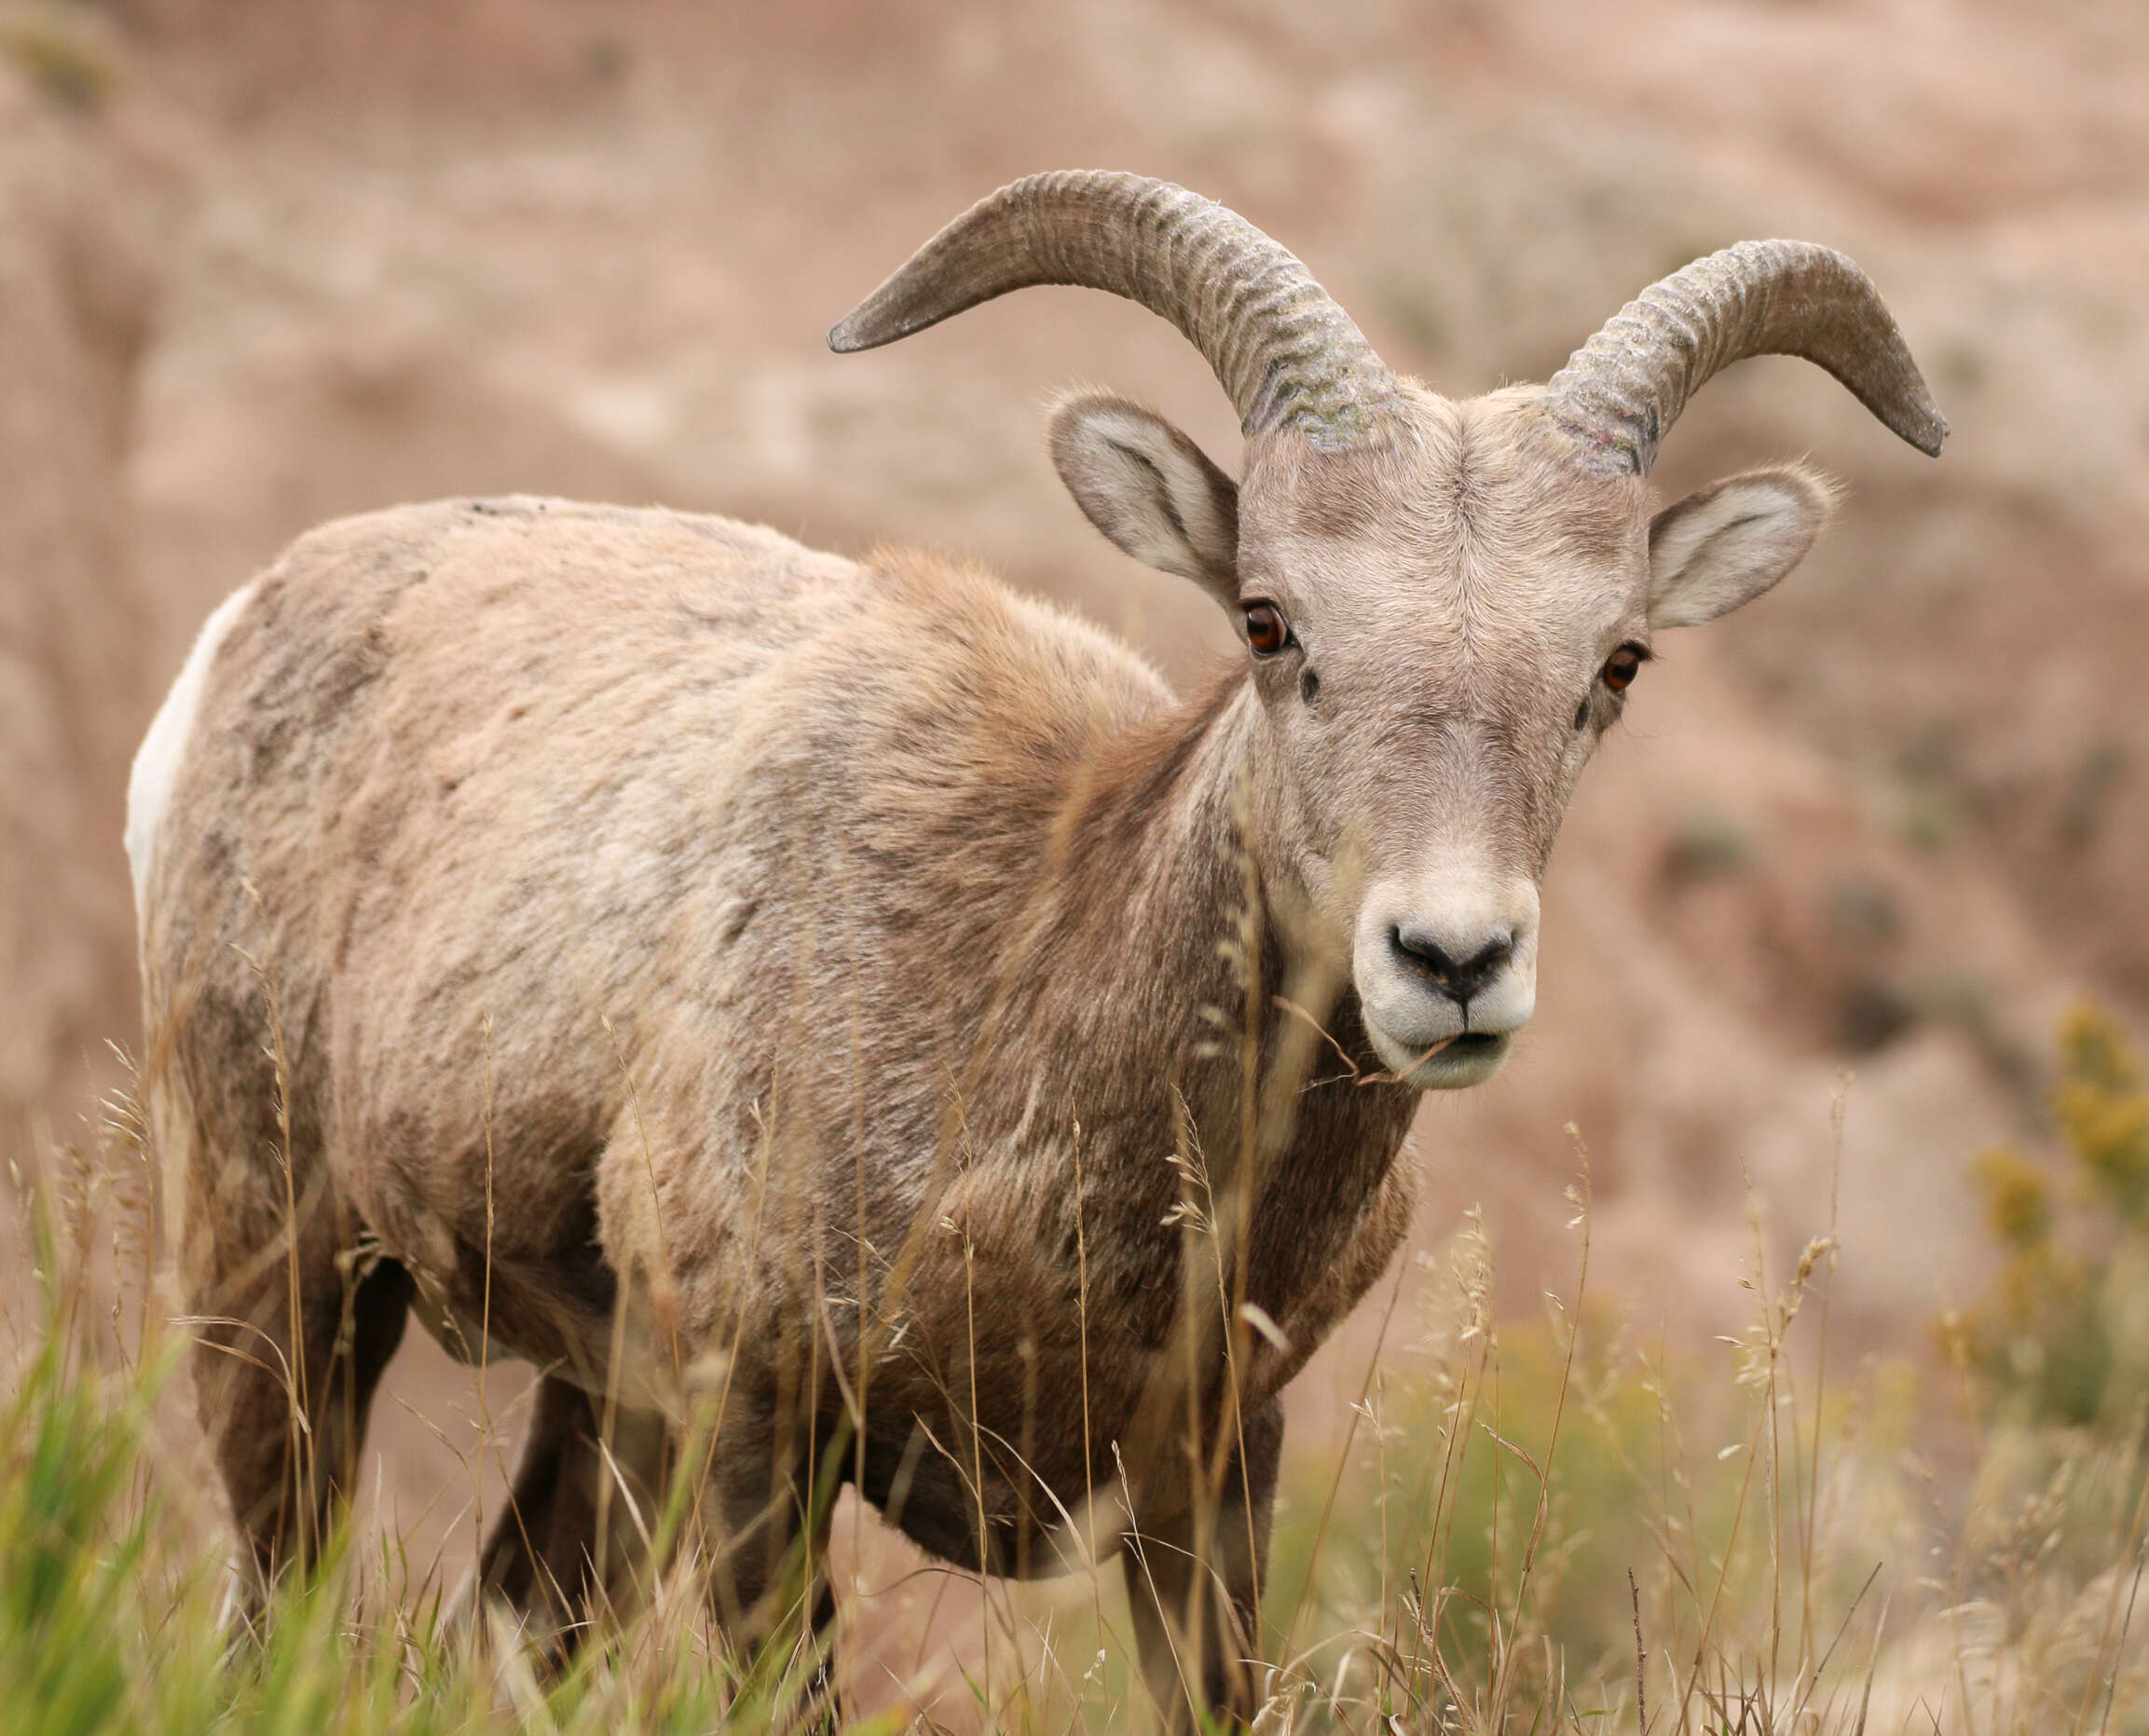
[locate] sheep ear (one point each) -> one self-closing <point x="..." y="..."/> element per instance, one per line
<point x="1725" y="544"/>
<point x="1150" y="489"/>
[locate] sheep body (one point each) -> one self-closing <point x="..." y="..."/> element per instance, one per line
<point x="692" y="901"/>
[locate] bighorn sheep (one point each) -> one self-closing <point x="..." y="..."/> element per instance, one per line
<point x="700" y="965"/>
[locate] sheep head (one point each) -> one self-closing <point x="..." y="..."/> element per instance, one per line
<point x="1442" y="602"/>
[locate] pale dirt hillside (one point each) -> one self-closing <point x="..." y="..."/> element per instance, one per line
<point x="1885" y="820"/>
<point x="78" y="284"/>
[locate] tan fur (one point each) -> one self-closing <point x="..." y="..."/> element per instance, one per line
<point x="653" y="915"/>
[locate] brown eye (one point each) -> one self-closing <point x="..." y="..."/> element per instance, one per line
<point x="1266" y="630"/>
<point x="1623" y="665"/>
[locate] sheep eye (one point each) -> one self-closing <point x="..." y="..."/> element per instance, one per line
<point x="1266" y="630"/>
<point x="1623" y="665"/>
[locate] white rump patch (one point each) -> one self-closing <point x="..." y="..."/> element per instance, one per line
<point x="163" y="750"/>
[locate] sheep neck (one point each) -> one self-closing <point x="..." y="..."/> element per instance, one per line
<point x="1158" y="1035"/>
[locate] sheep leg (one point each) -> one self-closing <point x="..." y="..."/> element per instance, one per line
<point x="766" y="1525"/>
<point x="293" y="1343"/>
<point x="541" y="1558"/>
<point x="1197" y="1624"/>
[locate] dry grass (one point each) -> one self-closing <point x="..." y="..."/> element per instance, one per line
<point x="1548" y="1526"/>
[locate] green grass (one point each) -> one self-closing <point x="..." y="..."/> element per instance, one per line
<point x="1529" y="1526"/>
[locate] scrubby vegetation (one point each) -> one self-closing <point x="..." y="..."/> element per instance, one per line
<point x="2062" y="1337"/>
<point x="1562" y="1525"/>
<point x="63" y="57"/>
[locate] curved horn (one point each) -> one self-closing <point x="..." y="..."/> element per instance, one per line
<point x="1286" y="354"/>
<point x="1621" y="391"/>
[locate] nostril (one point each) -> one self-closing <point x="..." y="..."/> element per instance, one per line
<point x="1420" y="949"/>
<point x="1459" y="976"/>
<point x="1491" y="956"/>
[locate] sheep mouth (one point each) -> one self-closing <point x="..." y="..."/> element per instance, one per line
<point x="1467" y="1059"/>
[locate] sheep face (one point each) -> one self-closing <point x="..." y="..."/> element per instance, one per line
<point x="1440" y="627"/>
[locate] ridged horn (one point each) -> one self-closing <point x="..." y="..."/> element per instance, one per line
<point x="1281" y="348"/>
<point x="1620" y="393"/>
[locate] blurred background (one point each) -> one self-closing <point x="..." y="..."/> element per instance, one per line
<point x="261" y="264"/>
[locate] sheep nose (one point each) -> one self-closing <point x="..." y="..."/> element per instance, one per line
<point x="1457" y="974"/>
